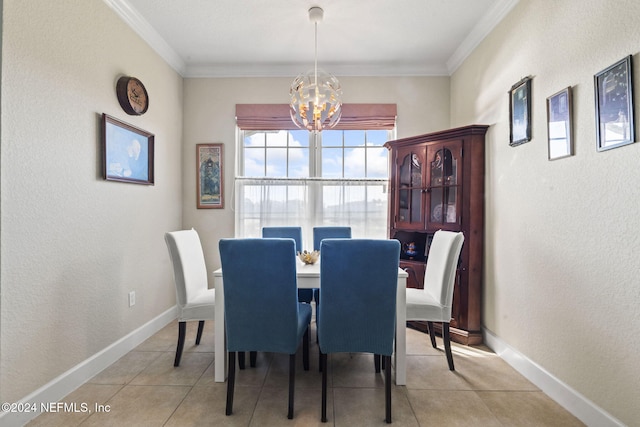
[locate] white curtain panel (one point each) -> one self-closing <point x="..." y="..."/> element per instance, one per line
<point x="309" y="202"/>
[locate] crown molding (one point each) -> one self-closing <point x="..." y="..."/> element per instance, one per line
<point x="140" y="25"/>
<point x="485" y="25"/>
<point x="294" y="69"/>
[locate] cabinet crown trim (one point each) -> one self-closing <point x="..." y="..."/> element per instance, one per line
<point x="480" y="130"/>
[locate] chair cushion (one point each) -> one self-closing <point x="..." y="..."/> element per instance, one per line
<point x="422" y="306"/>
<point x="201" y="307"/>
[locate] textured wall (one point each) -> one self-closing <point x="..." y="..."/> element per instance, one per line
<point x="562" y="241"/>
<point x="209" y="116"/>
<point x="73" y="245"/>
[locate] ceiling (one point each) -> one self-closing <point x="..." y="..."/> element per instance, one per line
<point x="221" y="38"/>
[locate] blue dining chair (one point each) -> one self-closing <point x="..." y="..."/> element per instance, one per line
<point x="358" y="285"/>
<point x="262" y="312"/>
<point x="304" y="295"/>
<point x="327" y="232"/>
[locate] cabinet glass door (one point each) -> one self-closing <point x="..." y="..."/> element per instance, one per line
<point x="444" y="186"/>
<point x="410" y="190"/>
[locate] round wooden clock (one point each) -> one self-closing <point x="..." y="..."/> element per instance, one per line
<point x="132" y="96"/>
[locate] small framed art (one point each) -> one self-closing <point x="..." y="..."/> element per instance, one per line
<point x="520" y="112"/>
<point x="127" y="152"/>
<point x="210" y="183"/>
<point x="614" y="105"/>
<point x="559" y="124"/>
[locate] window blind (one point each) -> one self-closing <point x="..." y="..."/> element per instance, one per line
<point x="354" y="117"/>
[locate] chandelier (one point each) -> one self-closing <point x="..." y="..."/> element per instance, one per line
<point x="316" y="96"/>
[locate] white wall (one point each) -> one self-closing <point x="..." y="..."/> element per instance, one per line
<point x="209" y="117"/>
<point x="73" y="245"/>
<point x="561" y="267"/>
<point x="561" y="263"/>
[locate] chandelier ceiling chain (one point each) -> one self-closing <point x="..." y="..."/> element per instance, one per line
<point x="315" y="52"/>
<point x="315" y="96"/>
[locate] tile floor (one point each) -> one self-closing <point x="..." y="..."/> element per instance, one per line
<point x="144" y="389"/>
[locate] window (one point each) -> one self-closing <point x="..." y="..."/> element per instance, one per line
<point x="294" y="177"/>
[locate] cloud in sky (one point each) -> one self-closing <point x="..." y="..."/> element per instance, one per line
<point x="293" y="147"/>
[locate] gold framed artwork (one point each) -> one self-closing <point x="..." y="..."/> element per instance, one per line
<point x="210" y="179"/>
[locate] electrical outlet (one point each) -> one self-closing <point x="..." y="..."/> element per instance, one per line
<point x="132" y="298"/>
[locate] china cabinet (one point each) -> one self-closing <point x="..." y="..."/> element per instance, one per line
<point x="437" y="183"/>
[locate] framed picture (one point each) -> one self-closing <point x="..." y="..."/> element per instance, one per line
<point x="559" y="124"/>
<point x="127" y="152"/>
<point x="614" y="105"/>
<point x="209" y="164"/>
<point x="520" y="112"/>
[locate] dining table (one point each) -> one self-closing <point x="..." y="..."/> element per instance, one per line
<point x="308" y="277"/>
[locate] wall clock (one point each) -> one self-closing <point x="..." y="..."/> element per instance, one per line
<point x="132" y="95"/>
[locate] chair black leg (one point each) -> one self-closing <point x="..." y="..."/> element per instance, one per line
<point x="241" y="359"/>
<point x="231" y="382"/>
<point x="253" y="356"/>
<point x="305" y="350"/>
<point x="200" y="329"/>
<point x="292" y="383"/>
<point x="376" y="362"/>
<point x="316" y="294"/>
<point x="323" y="368"/>
<point x="432" y="334"/>
<point x="447" y="345"/>
<point x="182" y="331"/>
<point x="387" y="388"/>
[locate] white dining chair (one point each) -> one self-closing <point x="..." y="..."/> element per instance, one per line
<point x="434" y="302"/>
<point x="195" y="301"/>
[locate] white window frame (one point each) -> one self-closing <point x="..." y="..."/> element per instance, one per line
<point x="314" y="188"/>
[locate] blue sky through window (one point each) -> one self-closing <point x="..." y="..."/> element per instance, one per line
<point x="344" y="154"/>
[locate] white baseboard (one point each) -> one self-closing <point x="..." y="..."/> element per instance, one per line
<point x="58" y="388"/>
<point x="581" y="407"/>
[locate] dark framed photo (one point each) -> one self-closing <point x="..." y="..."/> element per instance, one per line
<point x="614" y="105"/>
<point x="520" y="112"/>
<point x="127" y="152"/>
<point x="559" y="124"/>
<point x="209" y="164"/>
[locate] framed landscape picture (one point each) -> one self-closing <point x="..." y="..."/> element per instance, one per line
<point x="209" y="167"/>
<point x="614" y="105"/>
<point x="127" y="152"/>
<point x="559" y="124"/>
<point x="520" y="112"/>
